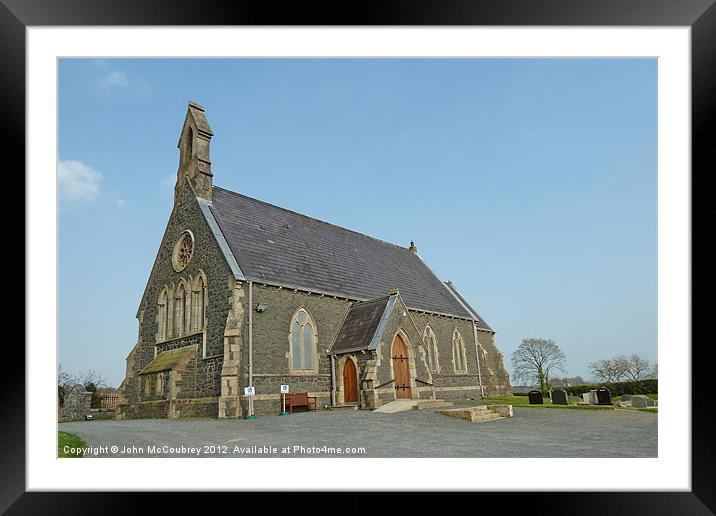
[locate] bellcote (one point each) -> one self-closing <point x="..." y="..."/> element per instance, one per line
<point x="194" y="152"/>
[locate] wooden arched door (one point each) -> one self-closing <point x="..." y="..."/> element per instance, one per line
<point x="401" y="368"/>
<point x="350" y="382"/>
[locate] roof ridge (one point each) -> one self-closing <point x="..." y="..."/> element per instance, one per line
<point x="312" y="218"/>
<point x="374" y="300"/>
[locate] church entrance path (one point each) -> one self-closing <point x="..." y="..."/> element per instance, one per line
<point x="530" y="433"/>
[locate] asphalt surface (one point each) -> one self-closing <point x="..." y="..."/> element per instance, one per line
<point x="532" y="432"/>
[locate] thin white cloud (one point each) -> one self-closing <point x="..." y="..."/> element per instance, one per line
<point x="115" y="78"/>
<point x="120" y="203"/>
<point x="78" y="182"/>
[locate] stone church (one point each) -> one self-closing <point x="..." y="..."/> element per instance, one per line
<point x="245" y="293"/>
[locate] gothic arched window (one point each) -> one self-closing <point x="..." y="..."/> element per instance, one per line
<point x="198" y="304"/>
<point x="162" y="314"/>
<point x="458" y="353"/>
<point x="302" y="338"/>
<point x="179" y="304"/>
<point x="431" y="344"/>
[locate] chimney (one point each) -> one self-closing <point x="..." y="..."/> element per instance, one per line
<point x="412" y="248"/>
<point x="194" y="152"/>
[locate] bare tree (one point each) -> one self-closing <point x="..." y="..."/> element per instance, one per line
<point x="609" y="370"/>
<point x="92" y="377"/>
<point x="637" y="368"/>
<point x="536" y="359"/>
<point x="89" y="379"/>
<point x="65" y="379"/>
<point x="654" y="375"/>
<point x="622" y="368"/>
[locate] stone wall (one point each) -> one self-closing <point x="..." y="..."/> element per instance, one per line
<point x="450" y="384"/>
<point x="225" y="337"/>
<point x="207" y="258"/>
<point x="76" y="404"/>
<point x="271" y="345"/>
<point x="400" y="322"/>
<point x="494" y="375"/>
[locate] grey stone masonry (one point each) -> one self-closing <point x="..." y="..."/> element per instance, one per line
<point x="221" y="249"/>
<point x="77" y="403"/>
<point x="207" y="259"/>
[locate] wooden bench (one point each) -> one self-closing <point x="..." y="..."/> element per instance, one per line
<point x="300" y="399"/>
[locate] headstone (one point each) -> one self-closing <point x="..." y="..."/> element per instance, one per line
<point x="590" y="397"/>
<point x="642" y="402"/>
<point x="639" y="401"/>
<point x="535" y="397"/>
<point x="626" y="397"/>
<point x="77" y="402"/>
<point x="575" y="399"/>
<point x="559" y="397"/>
<point x="604" y="397"/>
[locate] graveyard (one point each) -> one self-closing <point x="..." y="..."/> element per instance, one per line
<point x="646" y="403"/>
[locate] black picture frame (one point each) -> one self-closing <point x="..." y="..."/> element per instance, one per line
<point x="700" y="15"/>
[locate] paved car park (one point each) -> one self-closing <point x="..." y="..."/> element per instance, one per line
<point x="532" y="432"/>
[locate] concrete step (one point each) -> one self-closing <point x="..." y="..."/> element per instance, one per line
<point x="396" y="406"/>
<point x="346" y="406"/>
<point x="489" y="416"/>
<point x="479" y="413"/>
<point x="428" y="404"/>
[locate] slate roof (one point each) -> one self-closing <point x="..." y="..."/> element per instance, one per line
<point x="167" y="360"/>
<point x="360" y="325"/>
<point x="480" y="321"/>
<point x="280" y="246"/>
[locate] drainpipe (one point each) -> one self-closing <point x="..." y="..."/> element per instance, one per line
<point x="333" y="380"/>
<point x="251" y="348"/>
<point x="477" y="356"/>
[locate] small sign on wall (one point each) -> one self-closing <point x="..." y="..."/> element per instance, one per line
<point x="249" y="391"/>
<point x="284" y="389"/>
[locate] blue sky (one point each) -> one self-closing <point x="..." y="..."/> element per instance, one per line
<point x="530" y="183"/>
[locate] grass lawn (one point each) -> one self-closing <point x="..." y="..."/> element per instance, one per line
<point x="71" y="440"/>
<point x="652" y="396"/>
<point x="523" y="401"/>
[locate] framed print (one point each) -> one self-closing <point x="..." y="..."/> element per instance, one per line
<point x="191" y="315"/>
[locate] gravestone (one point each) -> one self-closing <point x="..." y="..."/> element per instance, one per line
<point x="590" y="397"/>
<point x="559" y="397"/>
<point x="642" y="402"/>
<point x="604" y="397"/>
<point x="638" y="401"/>
<point x="535" y="398"/>
<point x="626" y="397"/>
<point x="575" y="399"/>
